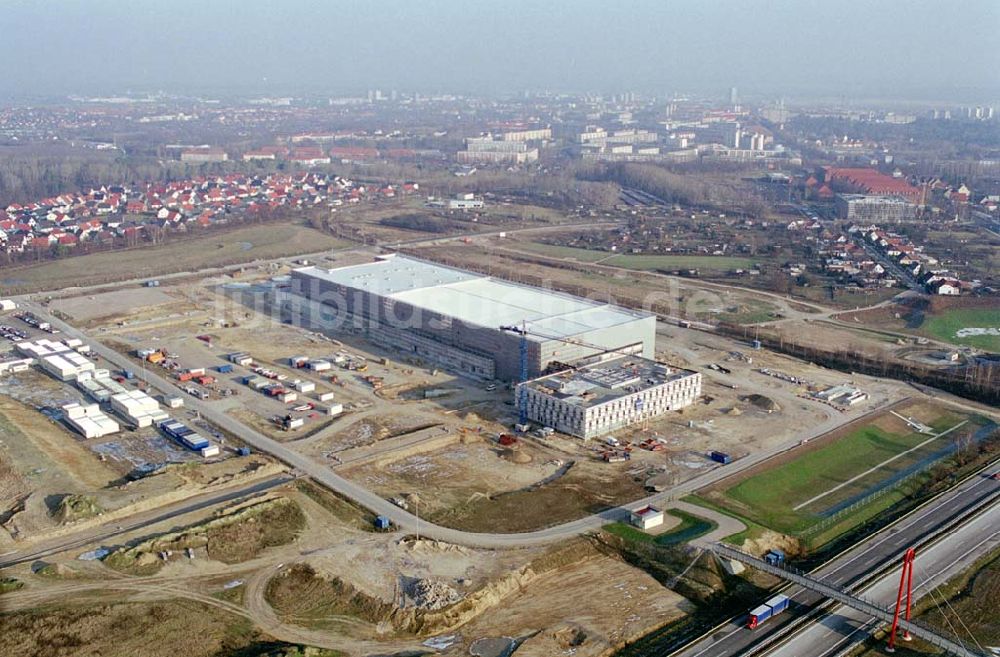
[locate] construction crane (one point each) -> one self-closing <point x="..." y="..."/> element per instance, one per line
<point x="522" y="330"/>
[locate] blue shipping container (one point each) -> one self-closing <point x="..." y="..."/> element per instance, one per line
<point x="775" y="557"/>
<point x="772" y="607"/>
<point x="720" y="457"/>
<point x="224" y="369"/>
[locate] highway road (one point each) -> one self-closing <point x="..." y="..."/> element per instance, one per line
<point x="405" y="520"/>
<point x="887" y="546"/>
<point x="934" y="565"/>
<point x="106" y="531"/>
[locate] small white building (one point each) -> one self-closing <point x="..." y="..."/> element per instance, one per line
<point x="7" y="304"/>
<point x="305" y="386"/>
<point x="332" y="410"/>
<point x="465" y="202"/>
<point x="16" y="365"/>
<point x="646" y="517"/>
<point x="89" y="421"/>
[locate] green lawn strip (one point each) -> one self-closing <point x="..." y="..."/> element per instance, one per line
<point x="649" y="262"/>
<point x="555" y="251"/>
<point x="861" y="515"/>
<point x="690" y="528"/>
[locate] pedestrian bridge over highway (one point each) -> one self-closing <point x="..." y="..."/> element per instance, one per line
<point x="868" y="607"/>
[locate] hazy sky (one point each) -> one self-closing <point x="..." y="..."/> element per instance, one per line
<point x="923" y="49"/>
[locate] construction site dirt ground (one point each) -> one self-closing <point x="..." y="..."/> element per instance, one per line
<point x="470" y="485"/>
<point x="610" y="600"/>
<point x="584" y="609"/>
<point x="42" y="461"/>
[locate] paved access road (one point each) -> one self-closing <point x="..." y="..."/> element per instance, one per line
<point x="405" y="520"/>
<point x="884" y="547"/>
<point x="934" y="565"/>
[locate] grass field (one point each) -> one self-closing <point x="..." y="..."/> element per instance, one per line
<point x="641" y="262"/>
<point x="553" y="251"/>
<point x="945" y="326"/>
<point x="690" y="528"/>
<point x="210" y="249"/>
<point x="783" y="497"/>
<point x="710" y="263"/>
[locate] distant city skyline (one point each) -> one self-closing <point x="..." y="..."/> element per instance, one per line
<point x="906" y="50"/>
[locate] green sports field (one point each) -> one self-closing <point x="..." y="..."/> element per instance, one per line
<point x="796" y="494"/>
<point x="946" y="326"/>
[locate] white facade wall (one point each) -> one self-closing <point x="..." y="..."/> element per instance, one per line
<point x="599" y="419"/>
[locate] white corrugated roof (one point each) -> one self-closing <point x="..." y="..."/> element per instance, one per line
<point x="475" y="299"/>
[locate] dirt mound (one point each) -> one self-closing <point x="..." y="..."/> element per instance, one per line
<point x="515" y="456"/>
<point x="302" y="596"/>
<point x="770" y="540"/>
<point x="234" y="536"/>
<point x="433" y="595"/>
<point x="57" y="571"/>
<point x="423" y="546"/>
<point x="72" y="508"/>
<point x="762" y="402"/>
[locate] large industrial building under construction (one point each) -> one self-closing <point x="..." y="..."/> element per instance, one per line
<point x="454" y="317"/>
